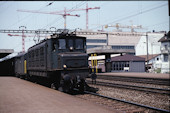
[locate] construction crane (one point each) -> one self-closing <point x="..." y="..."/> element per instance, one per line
<point x="65" y="13"/>
<point x="87" y="10"/>
<point x="132" y="27"/>
<point x="62" y="13"/>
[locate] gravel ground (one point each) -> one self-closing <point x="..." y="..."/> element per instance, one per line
<point x="115" y="105"/>
<point x="135" y="84"/>
<point x="154" y="100"/>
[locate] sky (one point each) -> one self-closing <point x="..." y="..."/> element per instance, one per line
<point x="152" y="15"/>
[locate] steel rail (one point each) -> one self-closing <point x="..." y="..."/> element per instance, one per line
<point x="132" y="103"/>
<point x="132" y="87"/>
<point x="136" y="80"/>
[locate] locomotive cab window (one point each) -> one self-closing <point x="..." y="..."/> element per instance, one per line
<point x="70" y="44"/>
<point x="79" y="44"/>
<point x="54" y="46"/>
<point x="62" y="44"/>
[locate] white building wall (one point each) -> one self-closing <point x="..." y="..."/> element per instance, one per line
<point x="165" y="68"/>
<point x="153" y="44"/>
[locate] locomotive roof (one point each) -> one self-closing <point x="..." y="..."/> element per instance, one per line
<point x="58" y="36"/>
<point x="20" y="54"/>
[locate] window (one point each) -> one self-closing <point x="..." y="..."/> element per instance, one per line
<point x="41" y="51"/>
<point x="29" y="54"/>
<point x="62" y="44"/>
<point x="70" y="43"/>
<point x="96" y="41"/>
<point x="166" y="47"/>
<point x="79" y="44"/>
<point x="123" y="47"/>
<point x="54" y="46"/>
<point x="33" y="54"/>
<point x="37" y="52"/>
<point x="93" y="46"/>
<point x="118" y="66"/>
<point x="165" y="57"/>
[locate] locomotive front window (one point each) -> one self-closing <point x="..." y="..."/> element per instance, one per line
<point x="62" y="43"/>
<point x="70" y="43"/>
<point x="79" y="44"/>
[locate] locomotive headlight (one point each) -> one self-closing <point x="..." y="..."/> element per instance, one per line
<point x="64" y="66"/>
<point x="71" y="48"/>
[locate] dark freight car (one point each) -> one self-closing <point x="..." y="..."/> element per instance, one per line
<point x="20" y="65"/>
<point x="7" y="67"/>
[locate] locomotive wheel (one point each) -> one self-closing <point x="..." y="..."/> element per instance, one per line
<point x="81" y="86"/>
<point x="60" y="89"/>
<point x="53" y="86"/>
<point x="65" y="86"/>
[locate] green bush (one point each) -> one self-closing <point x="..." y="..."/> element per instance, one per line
<point x="158" y="70"/>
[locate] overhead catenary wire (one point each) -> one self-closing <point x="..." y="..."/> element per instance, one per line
<point x="26" y="17"/>
<point x="165" y="22"/>
<point x="58" y="19"/>
<point x="2" y="4"/>
<point x="75" y="7"/>
<point x="133" y="15"/>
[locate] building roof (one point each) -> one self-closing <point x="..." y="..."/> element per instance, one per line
<point x="165" y="38"/>
<point x="5" y="52"/>
<point x="127" y="57"/>
<point x="149" y="56"/>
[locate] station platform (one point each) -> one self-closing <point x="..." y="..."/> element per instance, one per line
<point x="21" y="96"/>
<point x="137" y="75"/>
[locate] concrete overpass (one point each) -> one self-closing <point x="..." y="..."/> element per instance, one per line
<point x="5" y="52"/>
<point x="107" y="51"/>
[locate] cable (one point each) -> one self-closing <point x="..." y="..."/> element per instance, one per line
<point x="54" y="21"/>
<point x="26" y="17"/>
<point x="124" y="18"/>
<point x="71" y="10"/>
<point x="2" y="4"/>
<point x="75" y="7"/>
<point x="157" y="24"/>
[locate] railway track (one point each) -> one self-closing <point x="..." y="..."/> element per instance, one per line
<point x="138" y="88"/>
<point x="127" y="106"/>
<point x="136" y="80"/>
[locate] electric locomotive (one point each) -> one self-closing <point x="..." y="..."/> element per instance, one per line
<point x="62" y="60"/>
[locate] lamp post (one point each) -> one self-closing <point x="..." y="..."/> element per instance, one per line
<point x="147" y="49"/>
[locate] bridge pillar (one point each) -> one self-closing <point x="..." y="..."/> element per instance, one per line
<point x="108" y="63"/>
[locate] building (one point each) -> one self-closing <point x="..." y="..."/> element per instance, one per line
<point x="128" y="63"/>
<point x="154" y="62"/>
<point x="153" y="44"/>
<point x="111" y="43"/>
<point x="135" y="41"/>
<point x="165" y="53"/>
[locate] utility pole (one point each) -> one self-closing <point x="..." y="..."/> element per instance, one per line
<point x="147" y="50"/>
